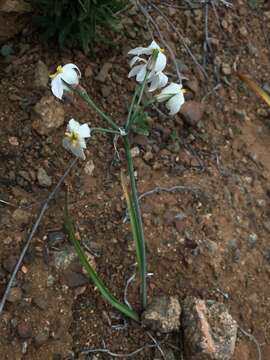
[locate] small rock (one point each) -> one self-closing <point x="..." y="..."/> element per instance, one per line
<point x="88" y="72"/>
<point x="192" y="112"/>
<point x="193" y="85"/>
<point x="106" y="90"/>
<point x="44" y="179"/>
<point x="163" y="314"/>
<point x="252" y="239"/>
<point x="135" y="152"/>
<point x="63" y="259"/>
<point x="6" y="50"/>
<point x="15" y="6"/>
<point x="42" y="337"/>
<point x="74" y="279"/>
<point x="41" y="77"/>
<point x="41" y="302"/>
<point x="24" y="330"/>
<point x="14" y="295"/>
<point x="243" y="31"/>
<point x="22" y="217"/>
<point x="209" y="330"/>
<point x="226" y="69"/>
<point x="55" y="238"/>
<point x="148" y="156"/>
<point x="48" y="114"/>
<point x="9" y="263"/>
<point x="89" y="167"/>
<point x="104" y="72"/>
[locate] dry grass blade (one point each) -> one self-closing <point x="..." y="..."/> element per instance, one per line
<point x="255" y="87"/>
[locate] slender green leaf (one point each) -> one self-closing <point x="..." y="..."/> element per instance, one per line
<point x="124" y="309"/>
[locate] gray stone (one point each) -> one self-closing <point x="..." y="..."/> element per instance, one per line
<point x="48" y="114"/>
<point x="21" y="217"/>
<point x="74" y="279"/>
<point x="41" y="75"/>
<point x="41" y="302"/>
<point x="104" y="72"/>
<point x="14" y="295"/>
<point x="209" y="331"/>
<point x="42" y="337"/>
<point x="63" y="259"/>
<point x="44" y="179"/>
<point x="163" y="314"/>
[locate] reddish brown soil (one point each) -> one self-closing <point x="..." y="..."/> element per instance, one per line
<point x="224" y="162"/>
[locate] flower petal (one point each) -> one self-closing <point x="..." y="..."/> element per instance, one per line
<point x="175" y="103"/>
<point x="84" y="131"/>
<point x="82" y="143"/>
<point x="154" y="83"/>
<point x="135" y="70"/>
<point x="72" y="66"/>
<point x="141" y="74"/>
<point x="160" y="62"/>
<point x="57" y="87"/>
<point x="78" y="151"/>
<point x="163" y="80"/>
<point x="153" y="45"/>
<point x="135" y="59"/>
<point x="73" y="125"/>
<point x="172" y="89"/>
<point x="137" y="51"/>
<point x="70" y="76"/>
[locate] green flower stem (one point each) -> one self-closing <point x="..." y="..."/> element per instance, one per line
<point x="91" y="103"/>
<point x="132" y="113"/>
<point x="139" y="223"/>
<point x="124" y="309"/>
<point x="105" y="131"/>
<point x="131" y="107"/>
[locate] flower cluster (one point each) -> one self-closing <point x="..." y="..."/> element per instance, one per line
<point x="147" y="66"/>
<point x="150" y="70"/>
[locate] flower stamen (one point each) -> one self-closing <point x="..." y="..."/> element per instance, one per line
<point x="59" y="70"/>
<point x="73" y="137"/>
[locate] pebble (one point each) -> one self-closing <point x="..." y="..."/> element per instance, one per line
<point x="252" y="239"/>
<point x="42" y="337"/>
<point x="9" y="263"/>
<point x="106" y="90"/>
<point x="163" y="314"/>
<point x="209" y="331"/>
<point x="64" y="258"/>
<point x="24" y="330"/>
<point x="55" y="238"/>
<point x="44" y="179"/>
<point x="47" y="115"/>
<point x="192" y="112"/>
<point x="41" y="76"/>
<point x="21" y="217"/>
<point x="15" y="295"/>
<point x="226" y="69"/>
<point x="74" y="279"/>
<point x="89" y="167"/>
<point x="135" y="152"/>
<point x="41" y="302"/>
<point x="104" y="72"/>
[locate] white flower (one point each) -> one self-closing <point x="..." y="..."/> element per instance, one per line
<point x="174" y="95"/>
<point x="157" y="81"/>
<point x="69" y="73"/>
<point x="75" y="138"/>
<point x="155" y="63"/>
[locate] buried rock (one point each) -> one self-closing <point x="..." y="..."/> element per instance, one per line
<point x="163" y="314"/>
<point x="209" y="331"/>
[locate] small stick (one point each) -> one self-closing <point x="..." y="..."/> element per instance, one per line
<point x="32" y="233"/>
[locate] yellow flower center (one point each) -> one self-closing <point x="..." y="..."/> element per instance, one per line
<point x="183" y="91"/>
<point x="162" y="50"/>
<point x="73" y="137"/>
<point x="59" y="70"/>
